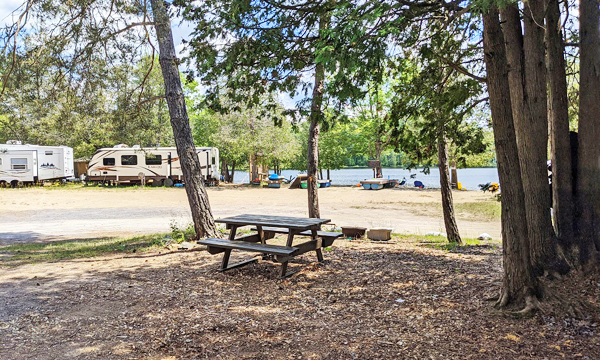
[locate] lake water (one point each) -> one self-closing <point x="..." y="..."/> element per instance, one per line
<point x="469" y="178"/>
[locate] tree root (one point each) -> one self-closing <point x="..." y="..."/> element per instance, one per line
<point x="502" y="300"/>
<point x="532" y="305"/>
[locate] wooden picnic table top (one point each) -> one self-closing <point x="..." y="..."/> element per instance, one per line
<point x="274" y="221"/>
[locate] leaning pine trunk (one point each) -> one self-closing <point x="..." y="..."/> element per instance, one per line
<point x="558" y="111"/>
<point x="188" y="158"/>
<point x="588" y="166"/>
<point x="518" y="285"/>
<point x="447" y="204"/>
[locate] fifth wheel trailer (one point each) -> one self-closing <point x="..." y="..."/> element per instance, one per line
<point x="160" y="166"/>
<point x="34" y="163"/>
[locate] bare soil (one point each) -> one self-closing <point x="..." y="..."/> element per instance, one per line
<point x="41" y="214"/>
<point x="398" y="300"/>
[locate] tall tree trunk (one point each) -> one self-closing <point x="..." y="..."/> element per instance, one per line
<point x="253" y="167"/>
<point x="588" y="167"/>
<point x="232" y="172"/>
<point x="446" y="186"/>
<point x="518" y="285"/>
<point x="190" y="164"/>
<point x="328" y="175"/>
<point x="313" y="135"/>
<point x="378" y="151"/>
<point x="527" y="79"/>
<point x="313" y="161"/>
<point x="558" y="111"/>
<point x="225" y="171"/>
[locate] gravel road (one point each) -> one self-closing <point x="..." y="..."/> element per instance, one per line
<point x="54" y="214"/>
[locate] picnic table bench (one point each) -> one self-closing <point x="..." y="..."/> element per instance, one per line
<point x="266" y="227"/>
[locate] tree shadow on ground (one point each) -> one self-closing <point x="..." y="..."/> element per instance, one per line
<point x="366" y="301"/>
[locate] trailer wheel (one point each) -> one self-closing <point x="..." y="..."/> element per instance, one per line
<point x="157" y="183"/>
<point x="2" y="183"/>
<point x="168" y="182"/>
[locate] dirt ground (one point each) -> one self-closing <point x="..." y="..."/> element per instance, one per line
<point x="40" y="214"/>
<point x="402" y="300"/>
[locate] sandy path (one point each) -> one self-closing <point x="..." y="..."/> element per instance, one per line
<point x="48" y="214"/>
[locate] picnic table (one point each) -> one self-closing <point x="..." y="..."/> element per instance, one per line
<point x="265" y="227"/>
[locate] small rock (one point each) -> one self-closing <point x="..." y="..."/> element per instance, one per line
<point x="186" y="245"/>
<point x="484" y="236"/>
<point x="400" y="301"/>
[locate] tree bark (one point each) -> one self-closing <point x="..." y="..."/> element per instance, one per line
<point x="378" y="151"/>
<point x="588" y="167"/>
<point x="447" y="203"/>
<point x="313" y="135"/>
<point x="558" y="111"/>
<point x="186" y="150"/>
<point x="519" y="284"/>
<point x="328" y="174"/>
<point x="232" y="172"/>
<point x="527" y="79"/>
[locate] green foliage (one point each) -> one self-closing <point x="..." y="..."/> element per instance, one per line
<point x="435" y="100"/>
<point x="40" y="107"/>
<point x="20" y="254"/>
<point x="244" y="130"/>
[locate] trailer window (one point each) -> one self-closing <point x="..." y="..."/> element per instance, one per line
<point x="49" y="152"/>
<point x="108" y="161"/>
<point x="128" y="159"/>
<point x="153" y="159"/>
<point x="18" y="164"/>
<point x="213" y="160"/>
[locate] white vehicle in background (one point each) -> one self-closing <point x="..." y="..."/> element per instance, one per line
<point x="22" y="164"/>
<point x="158" y="166"/>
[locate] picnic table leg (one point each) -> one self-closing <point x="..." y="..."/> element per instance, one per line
<point x="284" y="264"/>
<point x="225" y="259"/>
<point x="261" y="234"/>
<point x="232" y="232"/>
<point x="318" y="250"/>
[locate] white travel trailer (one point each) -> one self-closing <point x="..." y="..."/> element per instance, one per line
<point x="159" y="166"/>
<point x="33" y="163"/>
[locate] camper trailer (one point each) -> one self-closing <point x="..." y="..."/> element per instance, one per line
<point x="158" y="166"/>
<point x="33" y="163"/>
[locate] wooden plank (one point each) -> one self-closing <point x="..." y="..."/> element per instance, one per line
<point x="274" y="221"/>
<point x="248" y="246"/>
<point x="240" y="264"/>
<point x="249" y="238"/>
<point x="301" y="249"/>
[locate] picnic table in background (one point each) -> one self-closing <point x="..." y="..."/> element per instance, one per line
<point x="265" y="227"/>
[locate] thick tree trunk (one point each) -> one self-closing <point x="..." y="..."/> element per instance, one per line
<point x="186" y="150"/>
<point x="225" y="171"/>
<point x="446" y="186"/>
<point x="519" y="284"/>
<point x="527" y="79"/>
<point x="558" y="111"/>
<point x="253" y="167"/>
<point x="533" y="141"/>
<point x="588" y="167"/>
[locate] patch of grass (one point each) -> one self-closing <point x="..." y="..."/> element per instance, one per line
<point x="483" y="210"/>
<point x="14" y="255"/>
